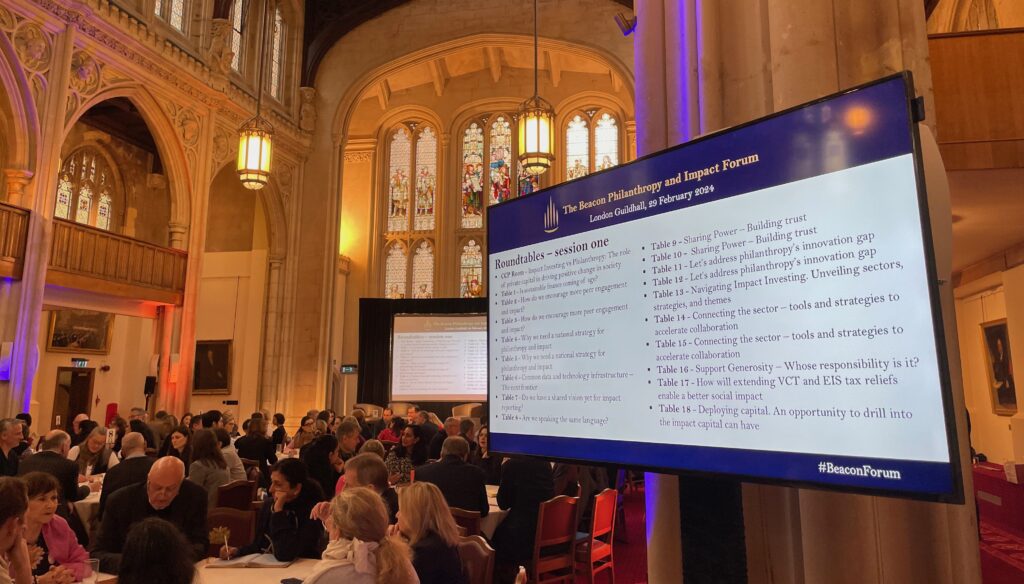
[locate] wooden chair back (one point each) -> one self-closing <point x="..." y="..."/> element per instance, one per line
<point x="594" y="552"/>
<point x="553" y="547"/>
<point x="477" y="559"/>
<point x="469" y="520"/>
<point x="241" y="524"/>
<point x="236" y="495"/>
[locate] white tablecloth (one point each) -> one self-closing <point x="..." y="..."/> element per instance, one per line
<point x="495" y="516"/>
<point x="87" y="510"/>
<point x="300" y="569"/>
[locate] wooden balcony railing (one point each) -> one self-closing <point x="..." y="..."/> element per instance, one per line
<point x="13" y="235"/>
<point x="92" y="259"/>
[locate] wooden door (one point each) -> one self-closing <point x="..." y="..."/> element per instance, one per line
<point x="72" y="396"/>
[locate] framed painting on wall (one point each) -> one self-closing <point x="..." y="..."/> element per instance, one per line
<point x="213" y="368"/>
<point x="79" y="331"/>
<point x="999" y="368"/>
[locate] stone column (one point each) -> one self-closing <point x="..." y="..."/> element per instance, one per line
<point x="750" y="59"/>
<point x="17" y="180"/>
<point x="269" y="396"/>
<point x="338" y="324"/>
<point x="165" y="394"/>
<point x="177" y="236"/>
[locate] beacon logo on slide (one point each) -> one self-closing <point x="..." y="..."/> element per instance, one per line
<point x="825" y="467"/>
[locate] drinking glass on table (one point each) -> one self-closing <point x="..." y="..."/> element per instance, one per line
<point x="92" y="572"/>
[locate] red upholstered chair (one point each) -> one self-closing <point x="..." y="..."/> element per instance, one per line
<point x="594" y="550"/>
<point x="468" y="520"/>
<point x="554" y="545"/>
<point x="237" y="495"/>
<point x="477" y="559"/>
<point x="242" y="525"/>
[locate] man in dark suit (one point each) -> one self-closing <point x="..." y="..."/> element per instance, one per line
<point x="10" y="438"/>
<point x="256" y="446"/>
<point x="451" y="428"/>
<point x="525" y="484"/>
<point x="133" y="468"/>
<point x="462" y="484"/>
<point x="52" y="459"/>
<point x="428" y="428"/>
<point x="165" y="494"/>
<point x="137" y="423"/>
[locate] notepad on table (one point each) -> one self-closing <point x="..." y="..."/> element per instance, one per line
<point x="249" y="561"/>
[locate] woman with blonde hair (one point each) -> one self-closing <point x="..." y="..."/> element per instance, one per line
<point x="360" y="550"/>
<point x="93" y="456"/>
<point x="425" y="521"/>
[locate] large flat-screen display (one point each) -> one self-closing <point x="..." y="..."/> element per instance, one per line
<point x="439" y="357"/>
<point x="760" y="302"/>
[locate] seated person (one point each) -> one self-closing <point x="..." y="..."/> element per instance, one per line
<point x="93" y="456"/>
<point x="256" y="446"/>
<point x="360" y="551"/>
<point x="463" y="485"/>
<point x="208" y="469"/>
<point x="52" y="459"/>
<point x="410" y="453"/>
<point x="52" y="545"/>
<point x="368" y="470"/>
<point x="467" y="430"/>
<point x="525" y="484"/>
<point x="133" y="468"/>
<point x="236" y="469"/>
<point x="286" y="526"/>
<point x="156" y="553"/>
<point x="374" y="446"/>
<point x="322" y="462"/>
<point x="426" y="523"/>
<point x="15" y="565"/>
<point x="393" y="431"/>
<point x="165" y="494"/>
<point x="451" y="428"/>
<point x="482" y="457"/>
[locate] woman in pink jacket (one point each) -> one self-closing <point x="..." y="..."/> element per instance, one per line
<point x="56" y="556"/>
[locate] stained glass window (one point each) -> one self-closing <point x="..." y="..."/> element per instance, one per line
<point x="606" y="142"/>
<point x="103" y="213"/>
<point x="177" y="18"/>
<point x="398" y="181"/>
<point x="236" y="35"/>
<point x="62" y="209"/>
<point x="426" y="179"/>
<point x="84" y="205"/>
<point x="473" y="177"/>
<point x="527" y="183"/>
<point x="577" y="148"/>
<point x="471" y="271"/>
<point x="395" y="270"/>
<point x="277" y="54"/>
<point x="158" y="8"/>
<point x="423" y="271"/>
<point x="84" y="176"/>
<point x="501" y="160"/>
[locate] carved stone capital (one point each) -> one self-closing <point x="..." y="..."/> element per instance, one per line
<point x="344" y="265"/>
<point x="16" y="181"/>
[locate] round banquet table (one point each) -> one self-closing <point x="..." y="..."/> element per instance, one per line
<point x="87" y="509"/>
<point x="300" y="570"/>
<point x="495" y="516"/>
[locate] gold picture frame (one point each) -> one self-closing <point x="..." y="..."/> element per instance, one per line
<point x="80" y="331"/>
<point x="995" y="338"/>
<point x="212" y="373"/>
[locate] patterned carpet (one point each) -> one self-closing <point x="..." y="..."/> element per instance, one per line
<point x="1002" y="556"/>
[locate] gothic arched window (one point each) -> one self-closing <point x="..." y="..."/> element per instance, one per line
<point x="277" y="41"/>
<point x="591" y="143"/>
<point x="412" y="198"/>
<point x="236" y="35"/>
<point x="171" y="11"/>
<point x="85" y="189"/>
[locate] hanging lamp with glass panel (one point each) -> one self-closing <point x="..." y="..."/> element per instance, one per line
<point x="473" y="177"/>
<point x="426" y="179"/>
<point x="577" y="148"/>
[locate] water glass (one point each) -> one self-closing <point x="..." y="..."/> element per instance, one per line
<point x="92" y="571"/>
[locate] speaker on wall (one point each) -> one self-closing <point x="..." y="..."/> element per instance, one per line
<point x="150" y="385"/>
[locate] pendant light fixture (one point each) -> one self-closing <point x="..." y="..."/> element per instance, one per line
<point x="535" y="121"/>
<point x="256" y="134"/>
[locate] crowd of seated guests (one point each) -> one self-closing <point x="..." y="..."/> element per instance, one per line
<point x="333" y="502"/>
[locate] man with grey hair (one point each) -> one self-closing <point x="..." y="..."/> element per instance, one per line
<point x="165" y="494"/>
<point x="451" y="428"/>
<point x="137" y="423"/>
<point x="462" y="484"/>
<point x="134" y="468"/>
<point x="52" y="459"/>
<point x="10" y="438"/>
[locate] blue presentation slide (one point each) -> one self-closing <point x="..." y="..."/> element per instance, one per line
<point x="756" y="303"/>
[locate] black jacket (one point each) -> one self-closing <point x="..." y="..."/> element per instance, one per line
<point x="260" y="449"/>
<point x="64" y="470"/>
<point x="9" y="463"/>
<point x="525" y="484"/>
<point x="462" y="484"/>
<point x="291" y="532"/>
<point x="131" y="471"/>
<point x="436" y="563"/>
<point x="131" y="504"/>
